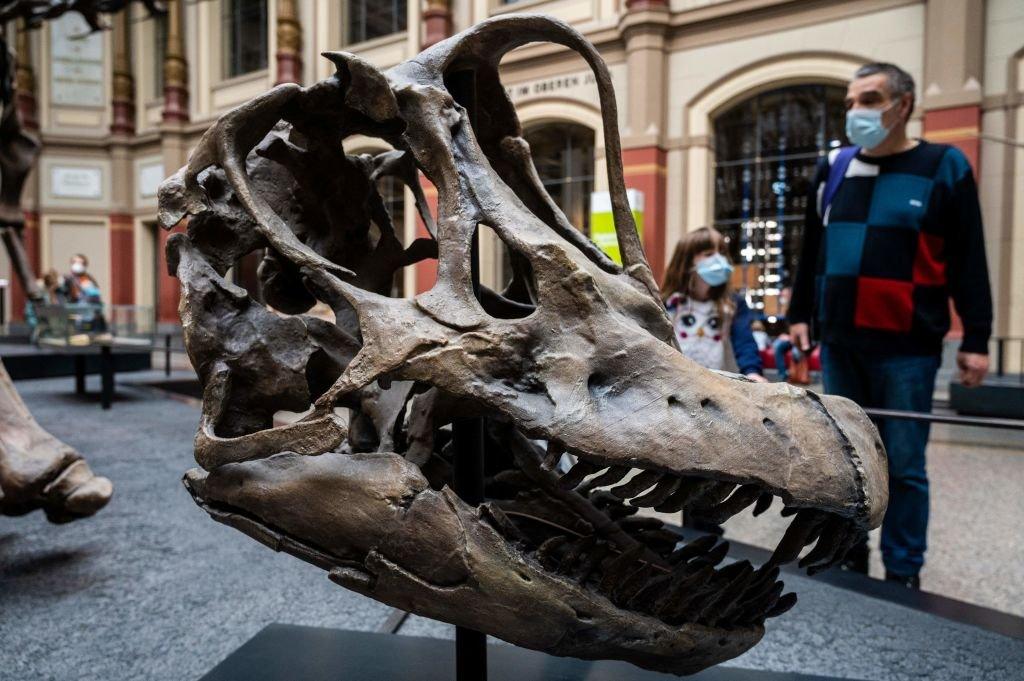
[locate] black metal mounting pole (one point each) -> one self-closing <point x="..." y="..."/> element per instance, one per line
<point x="468" y="440"/>
<point x="468" y="474"/>
<point x="468" y="433"/>
<point x="79" y="374"/>
<point x="468" y="481"/>
<point x="106" y="377"/>
<point x="167" y="355"/>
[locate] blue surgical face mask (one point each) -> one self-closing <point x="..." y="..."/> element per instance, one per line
<point x="714" y="270"/>
<point x="864" y="127"/>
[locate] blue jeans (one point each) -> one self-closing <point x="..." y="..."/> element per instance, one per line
<point x="893" y="382"/>
<point x="780" y="347"/>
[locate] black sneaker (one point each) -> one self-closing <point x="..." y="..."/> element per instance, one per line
<point x="856" y="559"/>
<point x="909" y="581"/>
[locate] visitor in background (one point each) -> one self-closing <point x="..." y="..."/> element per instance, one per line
<point x="712" y="325"/>
<point x="52" y="283"/>
<point x="760" y="335"/>
<point x="79" y="285"/>
<point x="893" y="229"/>
<point x="82" y="292"/>
<point x="51" y="293"/>
<point x="782" y="345"/>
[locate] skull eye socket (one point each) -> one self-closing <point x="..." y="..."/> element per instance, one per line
<point x="518" y="298"/>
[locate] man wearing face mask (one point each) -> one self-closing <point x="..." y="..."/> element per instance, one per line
<point x="893" y="230"/>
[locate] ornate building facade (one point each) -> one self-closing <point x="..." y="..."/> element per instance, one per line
<point x="725" y="106"/>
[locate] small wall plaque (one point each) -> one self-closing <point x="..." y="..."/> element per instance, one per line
<point x="76" y="182"/>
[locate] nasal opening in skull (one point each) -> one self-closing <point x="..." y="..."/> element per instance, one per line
<point x="508" y="284"/>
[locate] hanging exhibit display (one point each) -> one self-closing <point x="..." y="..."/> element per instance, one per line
<point x="590" y="412"/>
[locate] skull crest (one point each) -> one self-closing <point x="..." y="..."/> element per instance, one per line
<point x="574" y="361"/>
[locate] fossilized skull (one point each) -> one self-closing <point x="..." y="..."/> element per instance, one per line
<point x="574" y="361"/>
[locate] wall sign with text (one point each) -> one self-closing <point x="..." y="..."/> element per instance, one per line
<point x="76" y="182"/>
<point x="76" y="62"/>
<point x="150" y="177"/>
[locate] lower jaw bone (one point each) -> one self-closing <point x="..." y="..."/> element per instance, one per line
<point x="362" y="517"/>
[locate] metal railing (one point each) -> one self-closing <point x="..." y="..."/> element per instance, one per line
<point x="952" y="419"/>
<point x="135" y="322"/>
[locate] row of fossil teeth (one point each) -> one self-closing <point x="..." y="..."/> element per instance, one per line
<point x="666" y="492"/>
<point x="831" y="535"/>
<point x="718" y="501"/>
<point x="690" y="590"/>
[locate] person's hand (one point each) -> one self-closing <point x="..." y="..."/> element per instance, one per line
<point x="973" y="367"/>
<point x="757" y="378"/>
<point x="800" y="334"/>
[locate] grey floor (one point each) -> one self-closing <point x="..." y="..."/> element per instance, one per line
<point x="151" y="588"/>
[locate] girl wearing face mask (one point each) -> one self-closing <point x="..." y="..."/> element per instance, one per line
<point x="712" y="325"/>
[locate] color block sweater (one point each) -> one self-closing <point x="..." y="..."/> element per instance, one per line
<point x="901" y="236"/>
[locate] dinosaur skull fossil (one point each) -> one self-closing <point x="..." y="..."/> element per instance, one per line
<point x="573" y="362"/>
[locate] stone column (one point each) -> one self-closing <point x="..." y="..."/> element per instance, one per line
<point x="168" y="287"/>
<point x="122" y="259"/>
<point x="175" y="66"/>
<point x="644" y="27"/>
<point x="437" y="22"/>
<point x="289" y="43"/>
<point x="175" y="115"/>
<point x="437" y="25"/>
<point x="953" y="71"/>
<point x="954" y="51"/>
<point x="426" y="270"/>
<point x="123" y="102"/>
<point x="122" y="126"/>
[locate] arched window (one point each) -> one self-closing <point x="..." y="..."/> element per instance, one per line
<point x="766" y="150"/>
<point x="563" y="154"/>
<point x="369" y="19"/>
<point x="245" y="37"/>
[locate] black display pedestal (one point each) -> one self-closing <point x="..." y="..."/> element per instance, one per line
<point x="468" y="474"/>
<point x="283" y="652"/>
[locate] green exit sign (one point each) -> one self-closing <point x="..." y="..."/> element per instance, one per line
<point x="602" y="222"/>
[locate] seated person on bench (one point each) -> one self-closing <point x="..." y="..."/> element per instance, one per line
<point x="82" y="292"/>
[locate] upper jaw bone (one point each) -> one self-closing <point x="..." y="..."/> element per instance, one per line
<point x="611" y="394"/>
<point x="671" y="416"/>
